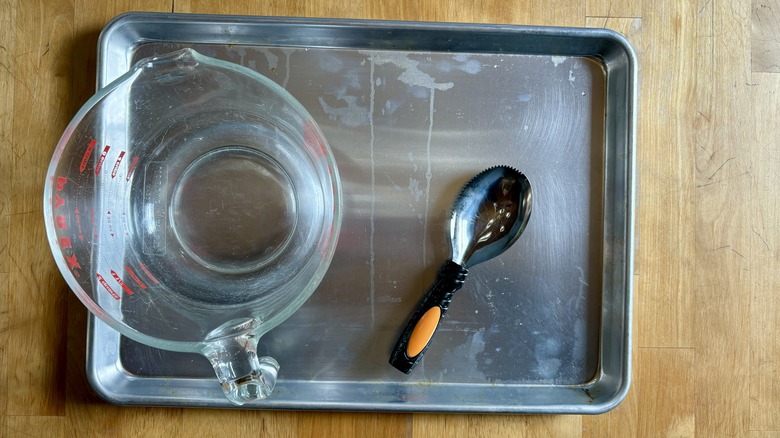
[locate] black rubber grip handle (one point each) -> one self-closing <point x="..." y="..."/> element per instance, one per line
<point x="417" y="335"/>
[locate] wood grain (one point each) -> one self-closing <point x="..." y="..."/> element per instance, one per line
<point x="36" y="299"/>
<point x="557" y="13"/>
<point x="27" y="426"/>
<point x="765" y="257"/>
<point x="489" y="426"/>
<point x="723" y="182"/>
<point x="7" y="72"/>
<point x="765" y="36"/>
<point x="614" y="9"/>
<point x="707" y="308"/>
<point x="664" y="301"/>
<point x="7" y="69"/>
<point x="665" y="384"/>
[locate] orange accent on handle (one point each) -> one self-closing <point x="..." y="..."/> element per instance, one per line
<point x="423" y="331"/>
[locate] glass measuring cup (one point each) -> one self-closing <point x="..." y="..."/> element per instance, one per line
<point x="193" y="205"/>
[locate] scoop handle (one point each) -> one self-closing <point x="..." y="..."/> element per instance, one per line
<point x="416" y="337"/>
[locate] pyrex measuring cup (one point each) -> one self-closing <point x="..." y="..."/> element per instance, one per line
<point x="193" y="205"/>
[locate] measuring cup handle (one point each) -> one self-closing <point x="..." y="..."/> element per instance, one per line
<point x="243" y="375"/>
<point x="416" y="337"/>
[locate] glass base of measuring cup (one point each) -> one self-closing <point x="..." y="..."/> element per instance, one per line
<point x="234" y="209"/>
<point x="218" y="209"/>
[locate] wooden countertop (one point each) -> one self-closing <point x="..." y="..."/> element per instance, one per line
<point x="707" y="308"/>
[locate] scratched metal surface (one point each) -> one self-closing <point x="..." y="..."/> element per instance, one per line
<point x="542" y="328"/>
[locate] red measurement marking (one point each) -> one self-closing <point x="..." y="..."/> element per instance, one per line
<point x="132" y="168"/>
<point x="312" y="139"/>
<point x="121" y="283"/>
<point x="72" y="262"/>
<point x="116" y="165"/>
<point x="65" y="243"/>
<point x="62" y="222"/>
<point x="148" y="274"/>
<point x="61" y="180"/>
<point x="101" y="159"/>
<point x="87" y="153"/>
<point x="105" y="285"/>
<point x="110" y="227"/>
<point x="135" y="277"/>
<point x="58" y="202"/>
<point x="124" y="223"/>
<point x="78" y="223"/>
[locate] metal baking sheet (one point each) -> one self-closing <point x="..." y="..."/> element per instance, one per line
<point x="412" y="111"/>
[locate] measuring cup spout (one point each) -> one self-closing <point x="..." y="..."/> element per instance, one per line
<point x="243" y="375"/>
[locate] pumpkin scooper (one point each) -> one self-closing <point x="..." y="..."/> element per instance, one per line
<point x="488" y="216"/>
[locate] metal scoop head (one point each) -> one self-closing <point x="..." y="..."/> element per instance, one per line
<point x="489" y="215"/>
